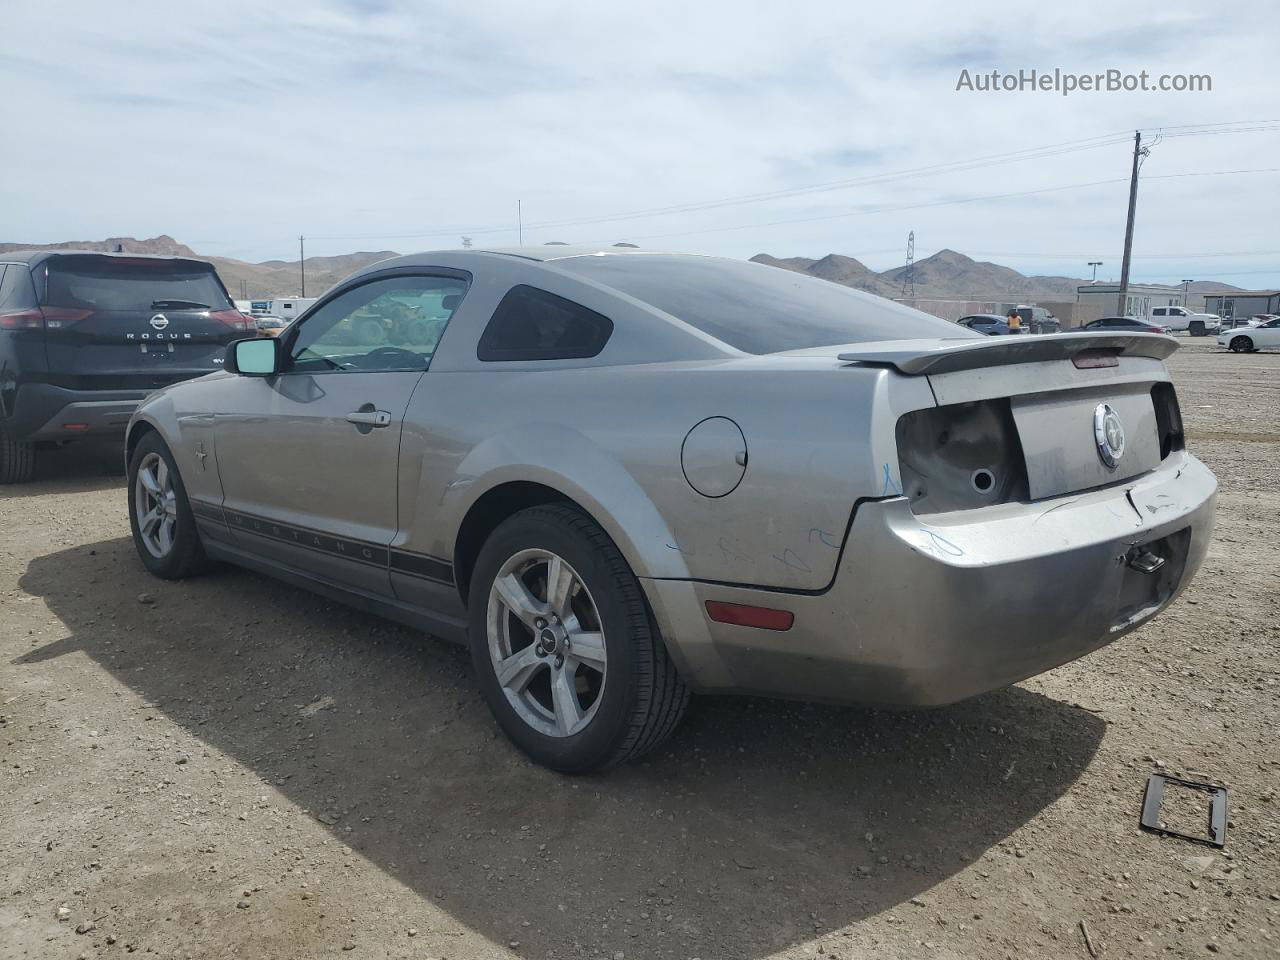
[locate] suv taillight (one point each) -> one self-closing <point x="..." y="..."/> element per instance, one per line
<point x="60" y="318"/>
<point x="232" y="318"/>
<point x="21" y="320"/>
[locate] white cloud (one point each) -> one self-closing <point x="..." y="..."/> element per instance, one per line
<point x="236" y="126"/>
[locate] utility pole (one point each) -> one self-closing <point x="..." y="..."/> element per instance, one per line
<point x="909" y="275"/>
<point x="520" y="222"/>
<point x="302" y="264"/>
<point x="1138" y="154"/>
<point x="1186" y="292"/>
<point x="1095" y="264"/>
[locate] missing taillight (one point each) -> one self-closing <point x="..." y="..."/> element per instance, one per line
<point x="960" y="456"/>
<point x="1164" y="398"/>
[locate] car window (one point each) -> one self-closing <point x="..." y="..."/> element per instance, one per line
<point x="84" y="281"/>
<point x="390" y="324"/>
<point x="532" y="324"/>
<point x="757" y="308"/>
<point x="1158" y="312"/>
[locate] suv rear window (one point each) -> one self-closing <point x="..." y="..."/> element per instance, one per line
<point x="758" y="308"/>
<point x="113" y="283"/>
<point x="532" y="324"/>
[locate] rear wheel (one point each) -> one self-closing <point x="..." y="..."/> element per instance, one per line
<point x="164" y="528"/>
<point x="17" y="458"/>
<point x="568" y="657"/>
<point x="1242" y="344"/>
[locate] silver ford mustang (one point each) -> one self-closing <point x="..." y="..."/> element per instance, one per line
<point x="622" y="476"/>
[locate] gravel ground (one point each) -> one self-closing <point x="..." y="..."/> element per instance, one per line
<point x="228" y="767"/>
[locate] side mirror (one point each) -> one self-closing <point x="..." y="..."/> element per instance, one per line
<point x="258" y="357"/>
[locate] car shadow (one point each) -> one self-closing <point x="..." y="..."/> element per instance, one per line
<point x="815" y="816"/>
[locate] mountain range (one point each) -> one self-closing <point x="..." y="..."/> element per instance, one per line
<point x="947" y="275"/>
<point x="243" y="280"/>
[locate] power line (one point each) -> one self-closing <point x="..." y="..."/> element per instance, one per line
<point x="940" y="203"/>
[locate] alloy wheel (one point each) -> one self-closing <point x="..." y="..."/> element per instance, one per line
<point x="156" y="505"/>
<point x="546" y="642"/>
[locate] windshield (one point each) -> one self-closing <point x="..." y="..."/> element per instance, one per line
<point x="113" y="283"/>
<point x="758" y="308"/>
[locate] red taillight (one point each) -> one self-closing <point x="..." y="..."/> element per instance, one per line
<point x="21" y="320"/>
<point x="745" y="615"/>
<point x="60" y="318"/>
<point x="232" y="318"/>
<point x="1089" y="359"/>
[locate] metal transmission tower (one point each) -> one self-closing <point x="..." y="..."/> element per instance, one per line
<point x="909" y="277"/>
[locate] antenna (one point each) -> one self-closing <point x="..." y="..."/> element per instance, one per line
<point x="466" y="243"/>
<point x="909" y="277"/>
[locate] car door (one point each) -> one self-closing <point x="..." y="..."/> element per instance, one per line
<point x="308" y="457"/>
<point x="1267" y="335"/>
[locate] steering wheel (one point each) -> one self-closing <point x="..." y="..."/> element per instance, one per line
<point x="390" y="352"/>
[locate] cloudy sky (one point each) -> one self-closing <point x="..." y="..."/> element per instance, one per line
<point x="236" y="126"/>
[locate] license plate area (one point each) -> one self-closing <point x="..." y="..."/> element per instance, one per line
<point x="1056" y="431"/>
<point x="1143" y="591"/>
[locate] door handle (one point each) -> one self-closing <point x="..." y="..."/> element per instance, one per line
<point x="369" y="418"/>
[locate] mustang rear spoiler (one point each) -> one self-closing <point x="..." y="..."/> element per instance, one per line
<point x="945" y="356"/>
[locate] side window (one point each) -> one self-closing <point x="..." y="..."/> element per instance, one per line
<point x="1158" y="312"/>
<point x="389" y="324"/>
<point x="532" y="324"/>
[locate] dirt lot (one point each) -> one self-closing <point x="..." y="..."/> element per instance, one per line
<point x="228" y="767"/>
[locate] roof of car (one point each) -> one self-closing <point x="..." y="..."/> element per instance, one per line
<point x="563" y="251"/>
<point x="34" y="257"/>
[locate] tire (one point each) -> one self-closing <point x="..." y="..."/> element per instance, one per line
<point x="371" y="333"/>
<point x="628" y="705"/>
<point x="17" y="458"/>
<point x="1196" y="328"/>
<point x="1241" y="345"/>
<point x="185" y="556"/>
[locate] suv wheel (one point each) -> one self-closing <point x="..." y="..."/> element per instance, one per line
<point x="164" y="528"/>
<point x="568" y="657"/>
<point x="1242" y="344"/>
<point x="17" y="458"/>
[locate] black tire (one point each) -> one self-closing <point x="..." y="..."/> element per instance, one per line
<point x="17" y="458"/>
<point x="186" y="558"/>
<point x="1241" y="345"/>
<point x="643" y="697"/>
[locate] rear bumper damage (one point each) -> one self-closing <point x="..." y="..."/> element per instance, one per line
<point x="931" y="610"/>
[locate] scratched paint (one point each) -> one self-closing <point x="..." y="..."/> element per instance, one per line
<point x="792" y="559"/>
<point x="890" y="488"/>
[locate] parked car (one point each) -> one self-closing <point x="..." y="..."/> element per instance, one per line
<point x="1259" y="336"/>
<point x="622" y="477"/>
<point x="1130" y="324"/>
<point x="84" y="336"/>
<point x="268" y="326"/>
<point x="1176" y="318"/>
<point x="990" y="324"/>
<point x="1038" y="319"/>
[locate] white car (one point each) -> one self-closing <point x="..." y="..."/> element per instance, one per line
<point x="1263" y="336"/>
<point x="1180" y="318"/>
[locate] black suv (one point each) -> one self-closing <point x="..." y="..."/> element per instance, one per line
<point x="85" y="336"/>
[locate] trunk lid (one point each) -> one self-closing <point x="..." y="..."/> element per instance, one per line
<point x="1031" y="418"/>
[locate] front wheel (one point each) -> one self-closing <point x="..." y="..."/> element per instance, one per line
<point x="1241" y="345"/>
<point x="565" y="650"/>
<point x="164" y="528"/>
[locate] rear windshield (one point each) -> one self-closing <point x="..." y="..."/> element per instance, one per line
<point x="758" y="308"/>
<point x="109" y="283"/>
